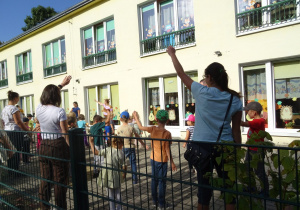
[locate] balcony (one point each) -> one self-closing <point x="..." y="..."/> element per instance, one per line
<point x="4" y="83"/>
<point x="271" y="15"/>
<point x="179" y="38"/>
<point x="24" y="77"/>
<point x="57" y="69"/>
<point x="100" y="58"/>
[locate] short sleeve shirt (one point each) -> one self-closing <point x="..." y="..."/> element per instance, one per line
<point x="75" y="110"/>
<point x="255" y="126"/>
<point x="211" y="106"/>
<point x="8" y="119"/>
<point x="81" y="123"/>
<point x="126" y="131"/>
<point x="158" y="152"/>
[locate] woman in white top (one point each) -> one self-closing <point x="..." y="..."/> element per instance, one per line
<point x="12" y="122"/>
<point x="53" y="121"/>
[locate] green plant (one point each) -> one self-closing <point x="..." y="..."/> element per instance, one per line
<point x="289" y="125"/>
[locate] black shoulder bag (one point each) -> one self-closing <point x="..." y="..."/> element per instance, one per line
<point x="199" y="155"/>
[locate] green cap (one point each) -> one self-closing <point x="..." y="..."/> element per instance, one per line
<point x="162" y="115"/>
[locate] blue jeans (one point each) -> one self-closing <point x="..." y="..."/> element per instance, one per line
<point x="159" y="171"/>
<point x="130" y="153"/>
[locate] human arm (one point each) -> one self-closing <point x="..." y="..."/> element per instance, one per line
<point x="245" y="124"/>
<point x="65" y="81"/>
<point x="236" y="127"/>
<point x="18" y="121"/>
<point x="6" y="145"/>
<point x="180" y="72"/>
<point x="91" y="141"/>
<point x="78" y="111"/>
<point x="169" y="154"/>
<point x="64" y="129"/>
<point x="135" y="115"/>
<point x="186" y="138"/>
<point x="138" y="136"/>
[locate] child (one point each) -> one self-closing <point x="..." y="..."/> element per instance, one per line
<point x="71" y="120"/>
<point x="254" y="109"/>
<point x="39" y="136"/>
<point x="135" y="127"/>
<point x="189" y="134"/>
<point x="126" y="130"/>
<point x="26" y="142"/>
<point x="82" y="124"/>
<point x="96" y="141"/>
<point x="112" y="179"/>
<point x="108" y="130"/>
<point x="30" y="124"/>
<point x="160" y="154"/>
<point x="106" y="106"/>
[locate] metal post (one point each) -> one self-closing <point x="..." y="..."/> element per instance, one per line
<point x="78" y="169"/>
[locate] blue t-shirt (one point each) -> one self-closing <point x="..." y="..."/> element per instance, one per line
<point x="211" y="106"/>
<point x="107" y="130"/>
<point x="81" y="124"/>
<point x="75" y="110"/>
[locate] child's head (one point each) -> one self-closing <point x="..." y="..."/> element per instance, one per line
<point x="253" y="109"/>
<point x="96" y="119"/>
<point x="162" y="116"/>
<point x="72" y="114"/>
<point x="124" y="117"/>
<point x="29" y="116"/>
<point x="81" y="117"/>
<point x="36" y="121"/>
<point x="75" y="104"/>
<point x="26" y="121"/>
<point x="71" y="121"/>
<point x="117" y="142"/>
<point x="106" y="101"/>
<point x="190" y="120"/>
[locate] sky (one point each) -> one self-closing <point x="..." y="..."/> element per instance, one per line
<point x="13" y="13"/>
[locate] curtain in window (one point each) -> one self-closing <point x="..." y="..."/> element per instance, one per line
<point x="256" y="84"/>
<point x="48" y="56"/>
<point x="110" y="31"/>
<point x="63" y="50"/>
<point x="185" y="14"/>
<point x="28" y="104"/>
<point x="92" y="103"/>
<point x="167" y="17"/>
<point x="25" y="62"/>
<point x="56" y="59"/>
<point x="20" y="63"/>
<point x="114" y="91"/>
<point x="89" y="49"/>
<point x="149" y="28"/>
<point x="294" y="88"/>
<point x="100" y="39"/>
<point x="154" y="92"/>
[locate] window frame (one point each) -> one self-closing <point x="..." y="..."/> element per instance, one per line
<point x="27" y="76"/>
<point x="24" y="107"/>
<point x="270" y="92"/>
<point x="3" y="81"/>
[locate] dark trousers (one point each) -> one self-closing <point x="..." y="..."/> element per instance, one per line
<point x="26" y="148"/>
<point x="54" y="170"/>
<point x="16" y="139"/>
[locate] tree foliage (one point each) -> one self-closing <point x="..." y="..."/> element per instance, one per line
<point x="38" y="15"/>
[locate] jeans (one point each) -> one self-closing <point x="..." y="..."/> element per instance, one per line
<point x="159" y="171"/>
<point x="130" y="153"/>
<point x="98" y="160"/>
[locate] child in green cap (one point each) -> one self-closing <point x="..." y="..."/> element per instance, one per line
<point x="160" y="154"/>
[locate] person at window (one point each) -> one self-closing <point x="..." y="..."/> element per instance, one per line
<point x="211" y="105"/>
<point x="76" y="109"/>
<point x="53" y="121"/>
<point x="11" y="116"/>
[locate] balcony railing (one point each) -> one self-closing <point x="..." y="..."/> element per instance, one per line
<point x="24" y="77"/>
<point x="176" y="39"/>
<point x="3" y="83"/>
<point x="262" y="17"/>
<point x="100" y="58"/>
<point x="57" y="69"/>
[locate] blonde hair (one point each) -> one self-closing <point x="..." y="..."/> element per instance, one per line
<point x="116" y="141"/>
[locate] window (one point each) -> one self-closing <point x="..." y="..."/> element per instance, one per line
<point x="100" y="93"/>
<point x="24" y="67"/>
<point x="65" y="100"/>
<point x="99" y="44"/>
<point x="3" y="103"/>
<point x="256" y="14"/>
<point x="3" y="74"/>
<point x="167" y="23"/>
<point x="169" y="93"/>
<point x="27" y="104"/>
<point x="55" y="57"/>
<point x="279" y="95"/>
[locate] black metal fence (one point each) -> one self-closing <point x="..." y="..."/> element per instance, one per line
<point x="244" y="182"/>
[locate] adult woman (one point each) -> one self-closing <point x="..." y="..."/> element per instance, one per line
<point x="13" y="122"/>
<point x="53" y="120"/>
<point x="76" y="109"/>
<point x="211" y="105"/>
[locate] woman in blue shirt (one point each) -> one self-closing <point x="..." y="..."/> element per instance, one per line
<point x="211" y="105"/>
<point x="76" y="109"/>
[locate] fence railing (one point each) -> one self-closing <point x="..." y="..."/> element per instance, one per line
<point x="176" y="39"/>
<point x="274" y="14"/>
<point x="84" y="177"/>
<point x="100" y="58"/>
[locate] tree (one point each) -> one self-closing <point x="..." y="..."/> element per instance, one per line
<point x="39" y="14"/>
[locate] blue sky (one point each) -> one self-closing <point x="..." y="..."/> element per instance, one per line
<point x="13" y="13"/>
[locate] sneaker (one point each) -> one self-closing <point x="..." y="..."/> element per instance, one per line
<point x="167" y="206"/>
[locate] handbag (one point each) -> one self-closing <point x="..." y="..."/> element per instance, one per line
<point x="199" y="155"/>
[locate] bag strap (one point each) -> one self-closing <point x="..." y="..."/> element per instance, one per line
<point x="221" y="129"/>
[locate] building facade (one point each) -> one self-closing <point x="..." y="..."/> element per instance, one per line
<point x="116" y="50"/>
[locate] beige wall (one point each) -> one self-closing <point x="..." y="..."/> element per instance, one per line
<point x="215" y="30"/>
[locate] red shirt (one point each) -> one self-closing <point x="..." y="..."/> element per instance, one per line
<point x="256" y="125"/>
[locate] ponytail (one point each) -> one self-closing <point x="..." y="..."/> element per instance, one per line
<point x="12" y="95"/>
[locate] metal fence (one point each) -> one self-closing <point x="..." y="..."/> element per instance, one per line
<point x="242" y="184"/>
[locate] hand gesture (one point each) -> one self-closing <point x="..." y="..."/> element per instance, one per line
<point x="174" y="167"/>
<point x="184" y="145"/>
<point x="171" y="51"/>
<point x="135" y="115"/>
<point x="66" y="80"/>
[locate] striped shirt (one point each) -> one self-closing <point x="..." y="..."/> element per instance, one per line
<point x="191" y="130"/>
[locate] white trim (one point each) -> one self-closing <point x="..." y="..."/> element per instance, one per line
<point x="25" y="82"/>
<point x="164" y="50"/>
<point x="99" y="65"/>
<point x="31" y="104"/>
<point x="180" y="102"/>
<point x="62" y="98"/>
<point x="161" y="92"/>
<point x="59" y="51"/>
<point x="3" y="87"/>
<point x="54" y="75"/>
<point x="270" y="96"/>
<point x="5" y="70"/>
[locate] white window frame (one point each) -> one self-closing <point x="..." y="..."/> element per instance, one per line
<point x="24" y="106"/>
<point x="5" y="72"/>
<point x="269" y="69"/>
<point x="28" y="62"/>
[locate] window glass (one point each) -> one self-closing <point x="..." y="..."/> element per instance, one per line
<point x="114" y="90"/>
<point x="56" y="59"/>
<point x="287" y="93"/>
<point x="28" y="105"/>
<point x="63" y="51"/>
<point x="33" y="107"/>
<point x="188" y="99"/>
<point x="25" y="63"/>
<point x="48" y="55"/>
<point x="92" y="103"/>
<point x="171" y="99"/>
<point x="185" y="13"/>
<point x="154" y="100"/>
<point x="255" y="88"/>
<point x="167" y="17"/>
<point x="30" y="62"/>
<point x="149" y="26"/>
<point x="110" y="30"/>
<point x="100" y="39"/>
<point x="20" y="65"/>
<point x="88" y="41"/>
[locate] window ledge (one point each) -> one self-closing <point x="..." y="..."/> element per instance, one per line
<point x="164" y="50"/>
<point x="54" y="75"/>
<point x="4" y="87"/>
<point x="99" y="65"/>
<point x="25" y="82"/>
<point x="281" y="132"/>
<point x="266" y="28"/>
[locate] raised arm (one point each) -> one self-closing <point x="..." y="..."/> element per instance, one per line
<point x="135" y="115"/>
<point x="236" y="127"/>
<point x="180" y="72"/>
<point x="65" y="82"/>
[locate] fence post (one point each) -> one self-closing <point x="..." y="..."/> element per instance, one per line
<point x="79" y="176"/>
